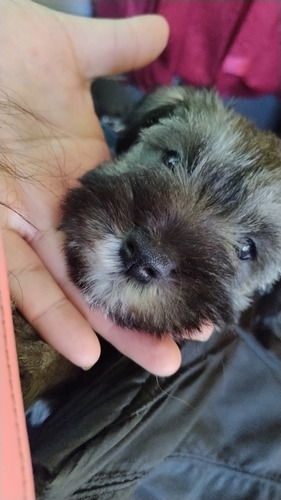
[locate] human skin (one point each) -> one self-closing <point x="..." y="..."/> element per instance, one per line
<point x="50" y="136"/>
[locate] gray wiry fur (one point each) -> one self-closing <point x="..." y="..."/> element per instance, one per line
<point x="196" y="195"/>
<point x="224" y="192"/>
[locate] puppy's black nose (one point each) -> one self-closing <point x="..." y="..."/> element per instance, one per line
<point x="142" y="259"/>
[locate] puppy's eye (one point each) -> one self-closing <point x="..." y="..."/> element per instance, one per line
<point x="247" y="250"/>
<point x="171" y="158"/>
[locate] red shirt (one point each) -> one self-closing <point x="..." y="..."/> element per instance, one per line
<point x="232" y="45"/>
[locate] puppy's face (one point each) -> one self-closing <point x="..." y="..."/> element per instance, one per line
<point x="185" y="226"/>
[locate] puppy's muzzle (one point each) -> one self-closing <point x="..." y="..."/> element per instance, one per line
<point x="143" y="254"/>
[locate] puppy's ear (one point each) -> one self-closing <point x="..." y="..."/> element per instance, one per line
<point x="149" y="110"/>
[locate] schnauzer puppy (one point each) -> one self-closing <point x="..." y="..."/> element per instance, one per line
<point x="183" y="228"/>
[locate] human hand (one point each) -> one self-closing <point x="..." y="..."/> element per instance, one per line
<point x="51" y="136"/>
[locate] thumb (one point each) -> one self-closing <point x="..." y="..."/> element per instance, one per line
<point x="106" y="46"/>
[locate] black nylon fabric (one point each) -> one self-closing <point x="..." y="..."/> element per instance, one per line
<point x="211" y="431"/>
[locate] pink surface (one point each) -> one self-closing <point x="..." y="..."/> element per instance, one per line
<point x="16" y="471"/>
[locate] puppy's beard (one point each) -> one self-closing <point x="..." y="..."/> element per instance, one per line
<point x="120" y="297"/>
